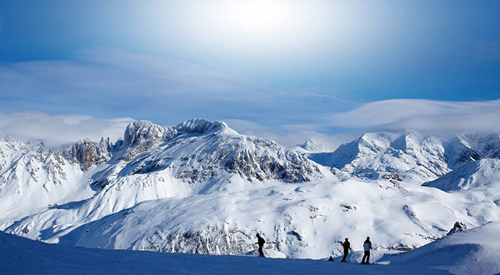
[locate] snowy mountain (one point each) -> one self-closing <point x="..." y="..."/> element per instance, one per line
<point x="206" y="150"/>
<point x="310" y="146"/>
<point x="481" y="174"/>
<point x="154" y="162"/>
<point x="200" y="187"/>
<point x="32" y="179"/>
<point x="409" y="155"/>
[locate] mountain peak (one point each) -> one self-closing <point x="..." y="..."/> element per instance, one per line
<point x="200" y="125"/>
<point x="140" y="131"/>
<point x="312" y="146"/>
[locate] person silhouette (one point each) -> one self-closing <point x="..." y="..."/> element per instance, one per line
<point x="367" y="245"/>
<point x="346" y="246"/>
<point x="261" y="243"/>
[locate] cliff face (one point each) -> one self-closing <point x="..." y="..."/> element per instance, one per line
<point x="88" y="153"/>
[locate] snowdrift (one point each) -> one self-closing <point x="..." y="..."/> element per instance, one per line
<point x="473" y="251"/>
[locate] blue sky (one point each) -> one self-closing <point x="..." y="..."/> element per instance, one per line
<point x="271" y="66"/>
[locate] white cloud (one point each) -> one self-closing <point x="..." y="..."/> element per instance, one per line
<point x="117" y="83"/>
<point x="167" y="91"/>
<point x="423" y="115"/>
<point x="297" y="138"/>
<point x="390" y="115"/>
<point x="58" y="131"/>
<point x="307" y="93"/>
<point x="289" y="135"/>
<point x="112" y="83"/>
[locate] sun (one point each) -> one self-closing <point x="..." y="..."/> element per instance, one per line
<point x="241" y="28"/>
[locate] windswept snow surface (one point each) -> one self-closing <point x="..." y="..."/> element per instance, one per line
<point x="23" y="256"/>
<point x="473" y="251"/>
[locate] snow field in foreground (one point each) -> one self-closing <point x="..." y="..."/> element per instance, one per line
<point x="23" y="256"/>
<point x="474" y="251"/>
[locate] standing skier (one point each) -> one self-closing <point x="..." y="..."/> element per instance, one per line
<point x="261" y="243"/>
<point x="346" y="246"/>
<point x="367" y="245"/>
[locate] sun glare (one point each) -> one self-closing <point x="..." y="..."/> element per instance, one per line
<point x="258" y="18"/>
<point x="245" y="27"/>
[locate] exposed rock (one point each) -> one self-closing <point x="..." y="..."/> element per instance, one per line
<point x="458" y="227"/>
<point x="87" y="153"/>
<point x="223" y="151"/>
<point x="200" y="126"/>
<point x="393" y="176"/>
<point x="140" y="132"/>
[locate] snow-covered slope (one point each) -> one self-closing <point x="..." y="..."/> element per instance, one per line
<point x="474" y="251"/>
<point x="304" y="220"/>
<point x="32" y="179"/>
<point x="194" y="157"/>
<point x="481" y="174"/>
<point x="479" y="181"/>
<point x="23" y="256"/>
<point x="409" y="155"/>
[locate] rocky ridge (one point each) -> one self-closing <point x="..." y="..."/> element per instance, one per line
<point x="409" y="155"/>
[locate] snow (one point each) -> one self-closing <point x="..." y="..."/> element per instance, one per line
<point x="481" y="174"/>
<point x="300" y="220"/>
<point x="32" y="179"/>
<point x="23" y="256"/>
<point x="200" y="187"/>
<point x="409" y="155"/>
<point x="310" y="146"/>
<point x="474" y="251"/>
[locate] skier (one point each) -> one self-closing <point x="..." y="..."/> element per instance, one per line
<point x="261" y="243"/>
<point x="367" y="245"/>
<point x="346" y="246"/>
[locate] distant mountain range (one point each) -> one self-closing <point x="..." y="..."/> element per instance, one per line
<point x="409" y="155"/>
<point x="200" y="187"/>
